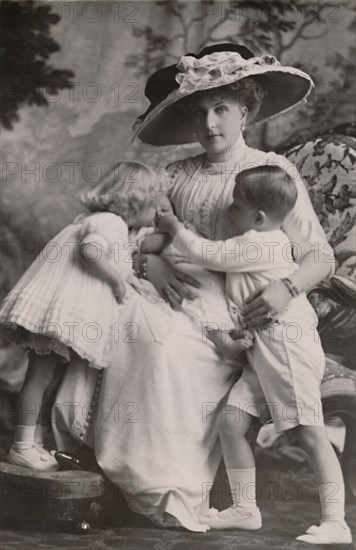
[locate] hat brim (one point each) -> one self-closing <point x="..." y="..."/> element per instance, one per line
<point x="169" y="124"/>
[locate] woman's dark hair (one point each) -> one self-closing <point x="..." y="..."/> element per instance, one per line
<point x="245" y="92"/>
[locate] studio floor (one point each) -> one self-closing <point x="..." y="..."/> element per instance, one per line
<point x="287" y="512"/>
<point x="282" y="523"/>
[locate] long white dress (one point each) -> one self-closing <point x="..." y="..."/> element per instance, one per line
<point x="154" y="430"/>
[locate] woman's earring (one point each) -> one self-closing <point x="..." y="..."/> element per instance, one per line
<point x="243" y="127"/>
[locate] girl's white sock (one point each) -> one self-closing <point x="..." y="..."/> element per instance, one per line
<point x="24" y="437"/>
<point x="40" y="433"/>
<point x="243" y="486"/>
<point x="332" y="501"/>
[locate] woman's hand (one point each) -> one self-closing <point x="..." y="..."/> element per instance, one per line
<point x="169" y="281"/>
<point x="265" y="304"/>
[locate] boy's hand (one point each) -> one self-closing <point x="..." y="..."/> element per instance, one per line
<point x="169" y="224"/>
<point x="119" y="290"/>
<point x="237" y="334"/>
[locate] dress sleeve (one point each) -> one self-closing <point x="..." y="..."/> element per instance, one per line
<point x="104" y="228"/>
<point x="302" y="225"/>
<point x="247" y="253"/>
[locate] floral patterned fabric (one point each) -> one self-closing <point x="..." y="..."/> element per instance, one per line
<point x="327" y="166"/>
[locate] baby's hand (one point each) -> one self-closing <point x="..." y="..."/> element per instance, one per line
<point x="119" y="290"/>
<point x="155" y="243"/>
<point x="168" y="224"/>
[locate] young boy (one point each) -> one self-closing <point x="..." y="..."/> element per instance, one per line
<point x="286" y="361"/>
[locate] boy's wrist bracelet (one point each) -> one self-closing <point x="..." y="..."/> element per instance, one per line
<point x="290" y="286"/>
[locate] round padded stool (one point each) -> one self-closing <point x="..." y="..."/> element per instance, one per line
<point x="42" y="500"/>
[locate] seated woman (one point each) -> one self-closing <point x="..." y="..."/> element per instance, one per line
<point x="155" y="431"/>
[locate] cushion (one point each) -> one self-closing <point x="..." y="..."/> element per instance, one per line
<point x="327" y="166"/>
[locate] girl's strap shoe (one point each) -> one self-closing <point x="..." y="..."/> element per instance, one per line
<point x="32" y="459"/>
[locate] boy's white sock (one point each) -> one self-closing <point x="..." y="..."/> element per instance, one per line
<point x="243" y="486"/>
<point x="24" y="437"/>
<point x="332" y="501"/>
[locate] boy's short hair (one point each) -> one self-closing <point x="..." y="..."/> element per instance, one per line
<point x="268" y="188"/>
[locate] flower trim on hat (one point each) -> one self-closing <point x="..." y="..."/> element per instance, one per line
<point x="214" y="71"/>
<point x="216" y="66"/>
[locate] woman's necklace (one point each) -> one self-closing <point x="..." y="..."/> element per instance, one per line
<point x="232" y="148"/>
<point x="221" y="156"/>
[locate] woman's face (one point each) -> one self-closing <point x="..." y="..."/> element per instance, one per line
<point x="217" y="120"/>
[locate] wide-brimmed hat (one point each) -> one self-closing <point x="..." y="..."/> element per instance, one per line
<point x="168" y="123"/>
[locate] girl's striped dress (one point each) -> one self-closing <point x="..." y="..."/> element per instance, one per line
<point x="58" y="305"/>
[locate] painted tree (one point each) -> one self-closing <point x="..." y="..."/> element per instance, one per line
<point x="335" y="100"/>
<point x="26" y="46"/>
<point x="276" y="27"/>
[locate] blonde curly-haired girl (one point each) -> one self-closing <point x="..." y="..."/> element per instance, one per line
<point x="64" y="304"/>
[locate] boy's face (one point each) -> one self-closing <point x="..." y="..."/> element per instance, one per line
<point x="241" y="217"/>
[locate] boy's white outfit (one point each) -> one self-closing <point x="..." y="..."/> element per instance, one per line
<point x="286" y="362"/>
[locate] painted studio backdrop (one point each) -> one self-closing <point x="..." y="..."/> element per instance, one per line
<point x="73" y="84"/>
